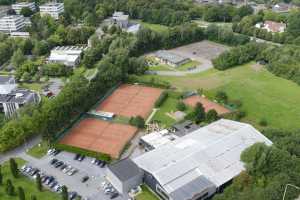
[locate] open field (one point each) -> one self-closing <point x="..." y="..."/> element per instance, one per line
<point x="100" y="136"/>
<point x="28" y="185"/>
<point x="131" y="100"/>
<point x="202" y="23"/>
<point x="154" y="27"/>
<point x="263" y="95"/>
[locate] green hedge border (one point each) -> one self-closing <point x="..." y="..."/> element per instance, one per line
<point x="97" y="155"/>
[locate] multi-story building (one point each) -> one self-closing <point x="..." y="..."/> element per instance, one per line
<point x="3" y="10"/>
<point x="13" y="98"/>
<point x="18" y="6"/>
<point x="12" y="23"/>
<point x="52" y="9"/>
<point x="120" y="19"/>
<point x="67" y="55"/>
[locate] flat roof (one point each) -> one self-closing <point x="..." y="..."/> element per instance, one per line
<point x="171" y="57"/>
<point x="19" y="96"/>
<point x="158" y="138"/>
<point x="125" y="169"/>
<point x="212" y="151"/>
<point x="4" y="79"/>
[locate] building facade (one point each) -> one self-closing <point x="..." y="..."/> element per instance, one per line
<point x="18" y="6"/>
<point x="67" y="55"/>
<point x="120" y="19"/>
<point x="170" y="58"/>
<point x="12" y="98"/>
<point x="52" y="9"/>
<point x="12" y="23"/>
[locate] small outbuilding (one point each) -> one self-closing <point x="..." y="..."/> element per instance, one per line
<point x="124" y="175"/>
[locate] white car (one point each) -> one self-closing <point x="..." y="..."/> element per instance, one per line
<point x="93" y="160"/>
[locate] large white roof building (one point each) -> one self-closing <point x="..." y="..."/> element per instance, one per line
<point x="67" y="55"/>
<point x="199" y="163"/>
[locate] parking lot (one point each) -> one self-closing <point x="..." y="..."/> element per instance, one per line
<point x="90" y="189"/>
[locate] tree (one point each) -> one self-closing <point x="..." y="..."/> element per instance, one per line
<point x="199" y="113"/>
<point x="1" y="176"/>
<point x="211" y="116"/>
<point x="64" y="193"/>
<point x="14" y="168"/>
<point x="294" y="23"/>
<point x="10" y="190"/>
<point x="33" y="197"/>
<point x="17" y="58"/>
<point x="137" y="121"/>
<point x="39" y="182"/>
<point x="26" y="12"/>
<point x="21" y="193"/>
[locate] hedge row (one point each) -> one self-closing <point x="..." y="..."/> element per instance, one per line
<point x="97" y="155"/>
<point x="161" y="99"/>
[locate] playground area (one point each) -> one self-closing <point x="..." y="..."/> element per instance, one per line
<point x="100" y="136"/>
<point x="207" y="104"/>
<point x="131" y="100"/>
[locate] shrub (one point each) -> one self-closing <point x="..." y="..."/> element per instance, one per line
<point x="161" y="99"/>
<point x="137" y="121"/>
<point x="239" y="115"/>
<point x="181" y="106"/>
<point x="263" y="122"/>
<point x="221" y="96"/>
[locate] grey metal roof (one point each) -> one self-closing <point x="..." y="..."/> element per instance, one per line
<point x="188" y="190"/>
<point x="19" y="96"/>
<point x="185" y="128"/>
<point x="212" y="151"/>
<point x="125" y="169"/>
<point x="5" y="79"/>
<point x="171" y="57"/>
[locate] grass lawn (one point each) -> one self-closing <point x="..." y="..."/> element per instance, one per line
<point x="33" y="86"/>
<point x="263" y="94"/>
<point x="39" y="150"/>
<point x="202" y="23"/>
<point x="168" y="106"/>
<point x="188" y="65"/>
<point x="161" y="67"/>
<point x="121" y="120"/>
<point x="154" y="27"/>
<point x="27" y="184"/>
<point x="146" y="194"/>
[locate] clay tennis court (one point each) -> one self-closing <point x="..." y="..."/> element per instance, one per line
<point x="100" y="136"/>
<point x="131" y="100"/>
<point x="207" y="104"/>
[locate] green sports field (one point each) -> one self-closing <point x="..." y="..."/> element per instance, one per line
<point x="264" y="95"/>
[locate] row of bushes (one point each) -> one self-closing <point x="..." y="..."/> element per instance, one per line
<point x="97" y="155"/>
<point x="161" y="99"/>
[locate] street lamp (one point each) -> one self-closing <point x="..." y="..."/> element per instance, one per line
<point x="286" y="186"/>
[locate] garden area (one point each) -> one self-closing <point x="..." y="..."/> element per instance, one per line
<point x="146" y="194"/>
<point x="264" y="96"/>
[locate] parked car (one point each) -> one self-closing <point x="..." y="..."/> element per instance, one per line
<point x="58" y="164"/>
<point x="114" y="195"/>
<point x="84" y="179"/>
<point x="81" y="158"/>
<point x="50" y="151"/>
<point x="53" y="161"/>
<point x="72" y="171"/>
<point x="67" y="169"/>
<point x="63" y="166"/>
<point x="56" y="152"/>
<point x="72" y="195"/>
<point x="77" y="156"/>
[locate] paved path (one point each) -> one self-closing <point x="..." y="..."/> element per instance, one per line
<point x="205" y="65"/>
<point x="21" y="150"/>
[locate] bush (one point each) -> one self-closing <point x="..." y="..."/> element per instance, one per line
<point x="161" y="99"/>
<point x="239" y="115"/>
<point x="263" y="122"/>
<point x="137" y="121"/>
<point x="221" y="96"/>
<point x="100" y="156"/>
<point x="181" y="106"/>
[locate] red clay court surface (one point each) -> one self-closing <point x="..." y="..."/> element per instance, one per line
<point x="131" y="100"/>
<point x="207" y="104"/>
<point x="100" y="136"/>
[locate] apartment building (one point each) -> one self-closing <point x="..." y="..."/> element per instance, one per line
<point x="52" y="9"/>
<point x="12" y="23"/>
<point x="18" y="6"/>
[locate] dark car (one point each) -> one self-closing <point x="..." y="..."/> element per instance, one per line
<point x="53" y="184"/>
<point x="58" y="164"/>
<point x="63" y="166"/>
<point x="53" y="161"/>
<point x="44" y="179"/>
<point x="56" y="152"/>
<point x="114" y="195"/>
<point x="34" y="171"/>
<point x="84" y="179"/>
<point x="49" y="180"/>
<point x="72" y="195"/>
<point x="98" y="162"/>
<point x="77" y="156"/>
<point x="102" y="164"/>
<point x="81" y="158"/>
